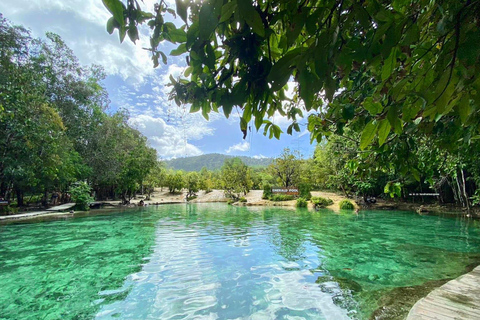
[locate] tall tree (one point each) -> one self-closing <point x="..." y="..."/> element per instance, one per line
<point x="286" y="168"/>
<point x="54" y="130"/>
<point x="235" y="177"/>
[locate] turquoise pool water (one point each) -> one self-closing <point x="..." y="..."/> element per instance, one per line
<point x="215" y="261"/>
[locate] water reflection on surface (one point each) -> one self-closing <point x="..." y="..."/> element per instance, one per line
<point x="222" y="262"/>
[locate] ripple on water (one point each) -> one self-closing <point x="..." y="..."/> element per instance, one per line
<point x="190" y="271"/>
<point x="223" y="262"/>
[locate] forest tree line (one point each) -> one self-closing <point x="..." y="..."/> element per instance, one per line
<point x="55" y="129"/>
<point x="56" y="133"/>
<point x="410" y="165"/>
<point x="393" y="86"/>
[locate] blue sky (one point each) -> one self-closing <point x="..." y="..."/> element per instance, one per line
<point x="133" y="84"/>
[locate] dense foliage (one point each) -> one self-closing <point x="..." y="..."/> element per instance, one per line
<point x="346" y="205"/>
<point x="393" y="85"/>
<point x="320" y="202"/>
<point x="382" y="66"/>
<point x="80" y="192"/>
<point x="301" y="203"/>
<point x="54" y="129"/>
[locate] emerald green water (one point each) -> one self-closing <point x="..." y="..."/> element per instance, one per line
<point x="223" y="262"/>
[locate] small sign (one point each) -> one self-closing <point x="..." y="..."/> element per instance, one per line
<point x="3" y="203"/>
<point x="424" y="194"/>
<point x="289" y="191"/>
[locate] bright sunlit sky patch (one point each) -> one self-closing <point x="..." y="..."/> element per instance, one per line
<point x="133" y="84"/>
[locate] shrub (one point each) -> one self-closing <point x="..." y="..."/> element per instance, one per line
<point x="267" y="191"/>
<point x="281" y="197"/>
<point x="304" y="191"/>
<point x="80" y="192"/>
<point x="242" y="199"/>
<point x="346" y="205"/>
<point x="230" y="201"/>
<point x="6" y="210"/>
<point x="320" y="202"/>
<point x="301" y="203"/>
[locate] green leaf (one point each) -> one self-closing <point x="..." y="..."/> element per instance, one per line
<point x="368" y="134"/>
<point x="122" y="33"/>
<point x="252" y="17"/>
<point x="195" y="107"/>
<point x="276" y="131"/>
<point x="180" y="50"/>
<point x="188" y="72"/>
<point x="383" y="131"/>
<point x="207" y="21"/>
<point x="412" y="34"/>
<point x="258" y="122"/>
<point x="210" y="61"/>
<point x="463" y="108"/>
<point x="227" y="10"/>
<point x="116" y="8"/>
<point x="227" y="109"/>
<point x="389" y="65"/>
<point x="133" y="33"/>
<point x="306" y="82"/>
<point x="205" y="109"/>
<point x="373" y="107"/>
<point x="111" y="25"/>
<point x="181" y="9"/>
<point x="243" y="124"/>
<point x="394" y="120"/>
<point x="416" y="174"/>
<point x="177" y="35"/>
<point x="281" y="70"/>
<point x="247" y="112"/>
<point x="164" y="57"/>
<point x="330" y="87"/>
<point x="296" y="27"/>
<point x="192" y="34"/>
<point x="410" y="111"/>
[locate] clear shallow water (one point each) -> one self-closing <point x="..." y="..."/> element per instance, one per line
<point x="222" y="262"/>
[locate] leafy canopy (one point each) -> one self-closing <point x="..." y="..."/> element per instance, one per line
<point x="374" y="65"/>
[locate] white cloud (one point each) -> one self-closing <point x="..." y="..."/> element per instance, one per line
<point x="82" y="25"/>
<point x="170" y="139"/>
<point x="303" y="133"/>
<point x="242" y="146"/>
<point x="259" y="156"/>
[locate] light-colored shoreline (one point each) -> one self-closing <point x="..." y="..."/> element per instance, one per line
<point x="159" y="197"/>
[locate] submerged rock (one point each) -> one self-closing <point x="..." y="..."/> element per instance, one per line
<point x="396" y="303"/>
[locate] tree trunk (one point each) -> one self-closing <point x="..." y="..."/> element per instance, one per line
<point x="465" y="191"/>
<point x="19" y="198"/>
<point x="460" y="193"/>
<point x="44" y="199"/>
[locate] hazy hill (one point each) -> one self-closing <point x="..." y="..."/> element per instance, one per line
<point x="212" y="161"/>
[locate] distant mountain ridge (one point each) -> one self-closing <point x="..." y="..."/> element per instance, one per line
<point x="213" y="161"/>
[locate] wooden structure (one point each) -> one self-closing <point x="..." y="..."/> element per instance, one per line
<point x="457" y="299"/>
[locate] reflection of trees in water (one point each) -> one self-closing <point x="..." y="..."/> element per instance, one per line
<point x="218" y="218"/>
<point x="292" y="234"/>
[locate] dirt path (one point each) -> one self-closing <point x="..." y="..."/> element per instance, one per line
<point x="254" y="198"/>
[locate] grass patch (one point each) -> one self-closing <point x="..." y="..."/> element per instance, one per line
<point x="321" y="202"/>
<point x="346" y="205"/>
<point x="301" y="203"/>
<point x="282" y="197"/>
